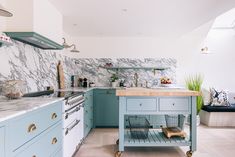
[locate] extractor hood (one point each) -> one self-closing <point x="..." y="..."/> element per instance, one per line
<point x="35" y="22"/>
<point x="35" y="39"/>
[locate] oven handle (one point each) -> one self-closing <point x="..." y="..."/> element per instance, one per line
<point x="69" y="113"/>
<point x="69" y="99"/>
<point x="70" y="128"/>
<point x="79" y="102"/>
<point x="74" y="106"/>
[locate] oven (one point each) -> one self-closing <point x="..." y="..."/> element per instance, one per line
<point x="73" y="133"/>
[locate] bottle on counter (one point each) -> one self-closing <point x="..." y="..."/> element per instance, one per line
<point x="85" y="83"/>
<point x="80" y="82"/>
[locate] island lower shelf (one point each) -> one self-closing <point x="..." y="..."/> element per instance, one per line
<point x="155" y="136"/>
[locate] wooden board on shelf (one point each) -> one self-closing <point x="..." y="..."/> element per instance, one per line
<point x="170" y="132"/>
<point x="61" y="80"/>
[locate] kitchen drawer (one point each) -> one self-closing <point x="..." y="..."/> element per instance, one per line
<point x="140" y="104"/>
<point x="2" y="141"/>
<point x="46" y="145"/>
<point x="58" y="153"/>
<point x="174" y="104"/>
<point x="24" y="128"/>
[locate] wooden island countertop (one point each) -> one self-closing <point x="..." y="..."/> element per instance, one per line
<point x="155" y="92"/>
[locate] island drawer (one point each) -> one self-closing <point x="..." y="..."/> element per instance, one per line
<point x="32" y="124"/>
<point x="174" y="104"/>
<point x="46" y="145"/>
<point x="141" y="104"/>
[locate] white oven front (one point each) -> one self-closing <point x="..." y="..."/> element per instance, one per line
<point x="73" y="130"/>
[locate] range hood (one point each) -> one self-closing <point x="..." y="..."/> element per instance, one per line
<point x="35" y="22"/>
<point x="35" y="39"/>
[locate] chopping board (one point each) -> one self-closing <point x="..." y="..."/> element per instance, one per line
<point x="169" y="132"/>
<point x="61" y="80"/>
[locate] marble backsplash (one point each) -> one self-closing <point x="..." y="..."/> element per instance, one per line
<point x="38" y="67"/>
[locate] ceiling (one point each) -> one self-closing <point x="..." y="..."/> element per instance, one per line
<point x="138" y="17"/>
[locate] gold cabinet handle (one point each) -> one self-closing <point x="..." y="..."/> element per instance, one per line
<point x="53" y="116"/>
<point x="54" y="140"/>
<point x="31" y="128"/>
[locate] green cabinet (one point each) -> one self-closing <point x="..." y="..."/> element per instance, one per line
<point x="2" y="142"/>
<point x="106" y="108"/>
<point x="88" y="112"/>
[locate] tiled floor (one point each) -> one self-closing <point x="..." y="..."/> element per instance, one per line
<point x="212" y="142"/>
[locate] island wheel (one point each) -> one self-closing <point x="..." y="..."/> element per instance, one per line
<point x="117" y="142"/>
<point x="118" y="154"/>
<point x="189" y="153"/>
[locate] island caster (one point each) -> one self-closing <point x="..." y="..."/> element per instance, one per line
<point x="117" y="142"/>
<point x="118" y="154"/>
<point x="189" y="153"/>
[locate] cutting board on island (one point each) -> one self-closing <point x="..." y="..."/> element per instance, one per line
<point x="61" y="80"/>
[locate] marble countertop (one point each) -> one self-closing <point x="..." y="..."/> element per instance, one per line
<point x="12" y="108"/>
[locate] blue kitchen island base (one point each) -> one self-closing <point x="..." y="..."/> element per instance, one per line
<point x="132" y="105"/>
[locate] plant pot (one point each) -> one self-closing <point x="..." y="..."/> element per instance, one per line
<point x="114" y="84"/>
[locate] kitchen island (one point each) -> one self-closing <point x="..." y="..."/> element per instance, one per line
<point x="142" y="101"/>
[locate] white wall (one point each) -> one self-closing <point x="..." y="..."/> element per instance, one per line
<point x="215" y="67"/>
<point x="2" y="19"/>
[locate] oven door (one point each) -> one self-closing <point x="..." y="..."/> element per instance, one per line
<point x="73" y="130"/>
<point x="71" y="139"/>
<point x="70" y="115"/>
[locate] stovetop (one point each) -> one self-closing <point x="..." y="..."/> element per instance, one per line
<point x="52" y="93"/>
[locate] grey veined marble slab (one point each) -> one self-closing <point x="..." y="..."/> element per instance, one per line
<point x="12" y="108"/>
<point x="38" y="67"/>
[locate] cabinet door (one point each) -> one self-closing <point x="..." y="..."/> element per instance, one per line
<point x="106" y="108"/>
<point x="2" y="142"/>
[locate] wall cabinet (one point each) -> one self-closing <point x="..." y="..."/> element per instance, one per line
<point x="2" y="141"/>
<point x="106" y="108"/>
<point x="88" y="112"/>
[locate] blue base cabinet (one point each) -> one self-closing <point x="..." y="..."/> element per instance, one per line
<point x="2" y="141"/>
<point x="33" y="134"/>
<point x="48" y="143"/>
<point x="88" y="112"/>
<point x="106" y="108"/>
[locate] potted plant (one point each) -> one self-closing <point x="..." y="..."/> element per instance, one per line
<point x="114" y="80"/>
<point x="194" y="83"/>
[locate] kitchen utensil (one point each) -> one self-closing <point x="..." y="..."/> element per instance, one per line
<point x="61" y="80"/>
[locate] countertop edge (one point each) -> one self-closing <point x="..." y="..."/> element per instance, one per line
<point x="19" y="113"/>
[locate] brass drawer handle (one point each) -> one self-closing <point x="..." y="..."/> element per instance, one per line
<point x="54" y="140"/>
<point x="53" y="116"/>
<point x="31" y="128"/>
